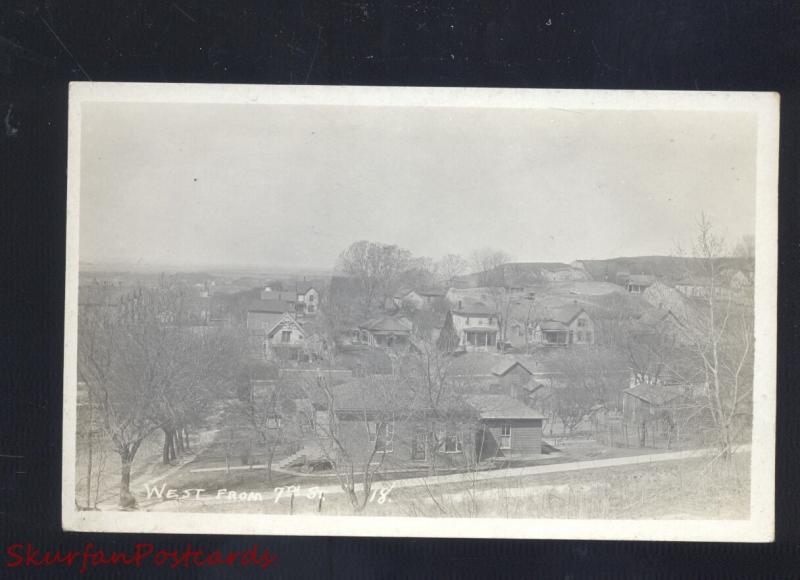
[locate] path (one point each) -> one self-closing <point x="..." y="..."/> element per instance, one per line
<point x="520" y="471"/>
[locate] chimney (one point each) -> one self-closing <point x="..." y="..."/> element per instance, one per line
<point x="459" y="304"/>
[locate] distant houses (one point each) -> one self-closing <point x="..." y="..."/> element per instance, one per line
<point x="421" y="298"/>
<point x="638" y="283"/>
<point x="304" y="298"/>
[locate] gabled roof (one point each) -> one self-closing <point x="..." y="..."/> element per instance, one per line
<point x="386" y="324"/>
<point x="501" y="407"/>
<point x="566" y="314"/>
<point x="284" y="296"/>
<point x="474" y="309"/>
<point x="271" y="306"/>
<point x="382" y="393"/>
<point x="304" y="287"/>
<point x="504" y="365"/>
<point x="653" y="316"/>
<point x="285" y="318"/>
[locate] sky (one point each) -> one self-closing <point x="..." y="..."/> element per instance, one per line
<point x="290" y="187"/>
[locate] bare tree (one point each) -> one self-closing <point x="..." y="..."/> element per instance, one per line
<point x="356" y="467"/>
<point x="720" y="332"/>
<point x="488" y="263"/>
<point x="144" y="370"/>
<point x="450" y="266"/>
<point x="376" y="267"/>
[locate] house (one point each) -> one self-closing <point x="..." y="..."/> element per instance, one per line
<point x="307" y="298"/>
<point x="473" y="327"/>
<point x="422" y="298"/>
<point x="638" y="283"/>
<point x="653" y="409"/>
<point x="263" y="314"/>
<point x="285" y="339"/>
<point x="487" y="373"/>
<point x="269" y="294"/>
<point x="384" y="331"/>
<point x="570" y="325"/>
<point x="380" y="420"/>
<point x="508" y="429"/>
<point x="304" y="298"/>
<point x="703" y="287"/>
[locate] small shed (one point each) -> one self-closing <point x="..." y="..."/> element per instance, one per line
<point x="508" y="428"/>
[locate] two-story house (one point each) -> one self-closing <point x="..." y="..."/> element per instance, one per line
<point x="307" y="298"/>
<point x="471" y="327"/>
<point x="565" y="326"/>
<point x="304" y="298"/>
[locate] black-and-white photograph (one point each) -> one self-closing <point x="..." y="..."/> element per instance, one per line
<point x="421" y="312"/>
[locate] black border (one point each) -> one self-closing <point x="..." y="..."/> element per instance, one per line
<point x="677" y="45"/>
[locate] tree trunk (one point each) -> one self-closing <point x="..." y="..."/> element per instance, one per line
<point x="186" y="439"/>
<point x="126" y="499"/>
<point x="178" y="441"/>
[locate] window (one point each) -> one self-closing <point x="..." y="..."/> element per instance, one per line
<point x="580" y="336"/>
<point x="383" y="437"/>
<point x="311" y="308"/>
<point x="582" y="323"/>
<point x="301" y="298"/>
<point x="273" y="422"/>
<point x="505" y="436"/>
<point x="311" y="298"/>
<point x="452" y="442"/>
<point x="419" y="446"/>
<point x="286" y="335"/>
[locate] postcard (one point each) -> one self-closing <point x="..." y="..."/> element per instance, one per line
<point x="422" y="312"/>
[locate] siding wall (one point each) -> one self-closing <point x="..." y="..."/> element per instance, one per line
<point x="354" y="437"/>
<point x="526" y="438"/>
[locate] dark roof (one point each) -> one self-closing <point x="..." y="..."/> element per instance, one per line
<point x="272" y="306"/>
<point x="653" y="394"/>
<point x="501" y="407"/>
<point x="506" y="364"/>
<point x="552" y="325"/>
<point x="483" y="364"/>
<point x="386" y="324"/>
<point x="561" y="318"/>
<point x="566" y="314"/>
<point x="653" y="316"/>
<point x="641" y="279"/>
<point x="278" y="295"/>
<point x="381" y="393"/>
<point x="475" y="308"/>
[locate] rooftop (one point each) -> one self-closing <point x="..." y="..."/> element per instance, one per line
<point x="272" y="306"/>
<point x="501" y="407"/>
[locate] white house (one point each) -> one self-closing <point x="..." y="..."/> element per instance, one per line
<point x="472" y="327"/>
